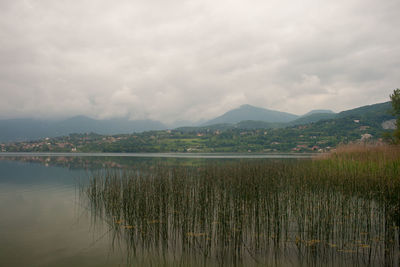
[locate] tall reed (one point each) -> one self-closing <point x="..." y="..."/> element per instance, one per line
<point x="342" y="209"/>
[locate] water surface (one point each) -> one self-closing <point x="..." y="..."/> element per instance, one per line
<point x="44" y="221"/>
<point x="47" y="218"/>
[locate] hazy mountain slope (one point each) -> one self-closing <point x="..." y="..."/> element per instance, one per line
<point x="24" y="129"/>
<point x="381" y="111"/>
<point x="313" y="117"/>
<point x="372" y="115"/>
<point x="364" y="123"/>
<point x="248" y="112"/>
<point x="245" y="125"/>
<point x="249" y="124"/>
<point x="29" y="129"/>
<point x="318" y="111"/>
<point x="82" y="124"/>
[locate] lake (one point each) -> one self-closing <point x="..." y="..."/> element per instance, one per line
<point x="52" y="215"/>
<point x="44" y="223"/>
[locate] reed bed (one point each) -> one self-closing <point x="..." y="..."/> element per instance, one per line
<point x="336" y="210"/>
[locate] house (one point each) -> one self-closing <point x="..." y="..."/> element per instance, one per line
<point x="315" y="148"/>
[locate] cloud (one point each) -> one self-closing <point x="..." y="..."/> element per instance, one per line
<point x="174" y="60"/>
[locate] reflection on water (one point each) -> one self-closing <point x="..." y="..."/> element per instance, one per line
<point x="42" y="222"/>
<point x="171" y="211"/>
<point x="245" y="213"/>
<point x="112" y="160"/>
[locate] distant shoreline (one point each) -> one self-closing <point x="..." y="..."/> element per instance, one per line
<point x="163" y="155"/>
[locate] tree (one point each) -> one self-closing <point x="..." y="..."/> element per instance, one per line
<point x="395" y="98"/>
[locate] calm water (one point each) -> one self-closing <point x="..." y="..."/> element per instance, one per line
<point x="43" y="222"/>
<point x="46" y="220"/>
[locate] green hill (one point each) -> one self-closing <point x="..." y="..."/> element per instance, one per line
<point x="313" y="117"/>
<point x="248" y="112"/>
<point x="376" y="112"/>
<point x="364" y="123"/>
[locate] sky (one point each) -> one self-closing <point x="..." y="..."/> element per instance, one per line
<point x="194" y="60"/>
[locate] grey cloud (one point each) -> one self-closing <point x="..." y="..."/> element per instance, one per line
<point x="174" y="60"/>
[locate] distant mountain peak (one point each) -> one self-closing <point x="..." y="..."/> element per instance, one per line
<point x="248" y="112"/>
<point x="315" y="111"/>
<point x="247" y="106"/>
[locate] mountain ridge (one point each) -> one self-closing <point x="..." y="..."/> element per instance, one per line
<point x="372" y="113"/>
<point x="24" y="129"/>
<point x="318" y="111"/>
<point x="30" y="129"/>
<point x="248" y="112"/>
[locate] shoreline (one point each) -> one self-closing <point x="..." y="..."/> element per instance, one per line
<point x="161" y="155"/>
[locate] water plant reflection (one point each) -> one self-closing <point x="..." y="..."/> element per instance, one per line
<point x="331" y="211"/>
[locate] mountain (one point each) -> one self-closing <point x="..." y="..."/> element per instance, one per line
<point x="249" y="124"/>
<point x="248" y="112"/>
<point x="374" y="114"/>
<point x="184" y="123"/>
<point x="245" y="125"/>
<point x="364" y="123"/>
<point x="82" y="124"/>
<point x="29" y="129"/>
<point x="244" y="117"/>
<point x="318" y="111"/>
<point x="371" y="115"/>
<point x="380" y="111"/>
<point x="312" y="117"/>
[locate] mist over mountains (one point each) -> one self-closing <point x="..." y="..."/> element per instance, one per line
<point x="245" y="116"/>
<point x="29" y="129"/>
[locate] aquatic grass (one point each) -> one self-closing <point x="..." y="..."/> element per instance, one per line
<point x="341" y="209"/>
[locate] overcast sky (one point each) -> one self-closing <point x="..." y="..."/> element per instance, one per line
<point x="194" y="59"/>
